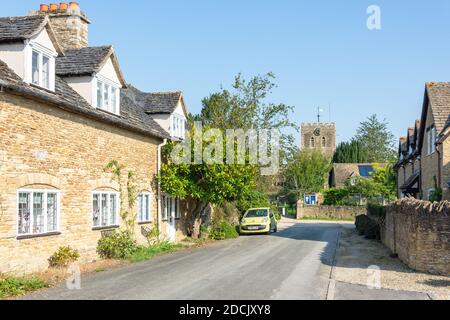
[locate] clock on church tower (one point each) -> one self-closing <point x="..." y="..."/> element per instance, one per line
<point x="319" y="136"/>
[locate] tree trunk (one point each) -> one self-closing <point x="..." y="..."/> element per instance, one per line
<point x="195" y="222"/>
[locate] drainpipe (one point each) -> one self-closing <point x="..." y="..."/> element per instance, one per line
<point x="160" y="146"/>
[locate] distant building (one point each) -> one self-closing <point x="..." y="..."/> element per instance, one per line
<point x="319" y="136"/>
<point x="341" y="173"/>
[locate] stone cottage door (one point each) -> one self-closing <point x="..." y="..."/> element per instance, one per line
<point x="171" y="231"/>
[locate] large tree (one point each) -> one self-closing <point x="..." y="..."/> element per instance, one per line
<point x="307" y="172"/>
<point x="376" y="139"/>
<point x="351" y="152"/>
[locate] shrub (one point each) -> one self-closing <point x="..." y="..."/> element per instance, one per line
<point x="367" y="227"/>
<point x="222" y="231"/>
<point x="117" y="245"/>
<point x="361" y="223"/>
<point x="63" y="257"/>
<point x="376" y="210"/>
<point x="17" y="286"/>
<point x="251" y="200"/>
<point x="335" y="197"/>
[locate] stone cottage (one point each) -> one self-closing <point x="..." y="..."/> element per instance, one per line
<point x="64" y="115"/>
<point x="424" y="160"/>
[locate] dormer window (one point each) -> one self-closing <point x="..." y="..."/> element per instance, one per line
<point x="178" y="127"/>
<point x="42" y="68"/>
<point x="108" y="96"/>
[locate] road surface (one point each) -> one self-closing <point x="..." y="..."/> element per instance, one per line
<point x="295" y="263"/>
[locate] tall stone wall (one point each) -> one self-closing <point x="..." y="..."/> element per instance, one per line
<point x="419" y="232"/>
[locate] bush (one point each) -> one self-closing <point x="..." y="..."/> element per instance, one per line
<point x="17" y="286"/>
<point x="118" y="245"/>
<point x="376" y="210"/>
<point x="335" y="197"/>
<point x="63" y="257"/>
<point x="367" y="227"/>
<point x="254" y="199"/>
<point x="223" y="231"/>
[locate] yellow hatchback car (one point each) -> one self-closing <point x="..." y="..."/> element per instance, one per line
<point x="256" y="221"/>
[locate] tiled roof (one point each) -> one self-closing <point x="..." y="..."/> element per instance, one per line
<point x="155" y="103"/>
<point x="132" y="117"/>
<point x="84" y="61"/>
<point x="20" y="28"/>
<point x="344" y="171"/>
<point x="439" y="97"/>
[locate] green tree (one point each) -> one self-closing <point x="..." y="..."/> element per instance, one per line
<point x="307" y="172"/>
<point x="351" y="152"/>
<point x="376" y="139"/>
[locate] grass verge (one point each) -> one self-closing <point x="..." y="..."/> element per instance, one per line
<point x="146" y="253"/>
<point x="11" y="287"/>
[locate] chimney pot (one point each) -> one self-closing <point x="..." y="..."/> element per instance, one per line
<point x="63" y="6"/>
<point x="43" y="8"/>
<point x="74" y="5"/>
<point x="53" y="6"/>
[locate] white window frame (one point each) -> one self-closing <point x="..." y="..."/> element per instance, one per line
<point x="431" y="140"/>
<point x="45" y="193"/>
<point x="178" y="126"/>
<point x="103" y="82"/>
<point x="149" y="208"/>
<point x="108" y="202"/>
<point x="175" y="211"/>
<point x="42" y="51"/>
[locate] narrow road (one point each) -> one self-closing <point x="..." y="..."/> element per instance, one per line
<point x="293" y="264"/>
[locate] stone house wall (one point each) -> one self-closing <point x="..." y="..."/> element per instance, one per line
<point x="46" y="147"/>
<point x="419" y="232"/>
<point x="429" y="163"/>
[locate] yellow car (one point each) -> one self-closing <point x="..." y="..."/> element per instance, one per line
<point x="257" y="221"/>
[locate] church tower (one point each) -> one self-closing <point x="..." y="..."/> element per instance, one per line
<point x="319" y="136"/>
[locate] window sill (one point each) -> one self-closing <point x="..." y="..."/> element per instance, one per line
<point x="105" y="228"/>
<point x="144" y="222"/>
<point x="42" y="235"/>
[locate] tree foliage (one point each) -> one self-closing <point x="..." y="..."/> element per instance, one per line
<point x="351" y="152"/>
<point x="307" y="172"/>
<point x="376" y="139"/>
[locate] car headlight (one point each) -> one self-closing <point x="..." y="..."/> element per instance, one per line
<point x="243" y="221"/>
<point x="265" y="220"/>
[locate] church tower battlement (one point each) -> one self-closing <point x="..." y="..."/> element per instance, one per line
<point x="319" y="136"/>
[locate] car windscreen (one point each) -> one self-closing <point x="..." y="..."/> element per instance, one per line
<point x="257" y="213"/>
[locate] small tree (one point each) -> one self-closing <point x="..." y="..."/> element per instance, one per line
<point x="351" y="152"/>
<point x="307" y="172"/>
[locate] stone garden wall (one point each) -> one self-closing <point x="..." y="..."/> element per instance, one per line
<point x="329" y="212"/>
<point x="419" y="232"/>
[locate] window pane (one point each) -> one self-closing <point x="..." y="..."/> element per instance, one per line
<point x="104" y="209"/>
<point x="106" y="97"/>
<point x="35" y="68"/>
<point x="164" y="207"/>
<point x="113" y="100"/>
<point x="38" y="212"/>
<point x="147" y="207"/>
<point x="24" y="213"/>
<point x="99" y="94"/>
<point x="45" y="72"/>
<point x="52" y="212"/>
<point x="140" y="203"/>
<point x="113" y="209"/>
<point x="96" y="210"/>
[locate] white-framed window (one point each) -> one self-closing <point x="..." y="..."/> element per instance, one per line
<point x="431" y="140"/>
<point x="144" y="207"/>
<point x="178" y="125"/>
<point x="105" y="207"/>
<point x="107" y="96"/>
<point x="38" y="211"/>
<point x="170" y="208"/>
<point x="42" y="66"/>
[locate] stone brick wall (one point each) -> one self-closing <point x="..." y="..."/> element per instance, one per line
<point x="419" y="232"/>
<point x="429" y="163"/>
<point x="45" y="147"/>
<point x="326" y="212"/>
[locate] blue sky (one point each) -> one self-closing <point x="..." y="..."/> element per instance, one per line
<point x="321" y="51"/>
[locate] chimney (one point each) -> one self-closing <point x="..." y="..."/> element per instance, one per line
<point x="69" y="23"/>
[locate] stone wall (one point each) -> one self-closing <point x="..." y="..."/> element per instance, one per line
<point x="419" y="232"/>
<point x="329" y="212"/>
<point x="44" y="147"/>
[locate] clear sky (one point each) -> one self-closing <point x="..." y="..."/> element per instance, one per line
<point x="321" y="51"/>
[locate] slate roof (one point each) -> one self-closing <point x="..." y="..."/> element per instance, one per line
<point x="20" y="28"/>
<point x="341" y="172"/>
<point x="84" y="61"/>
<point x="154" y="103"/>
<point x="439" y="97"/>
<point x="132" y="117"/>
